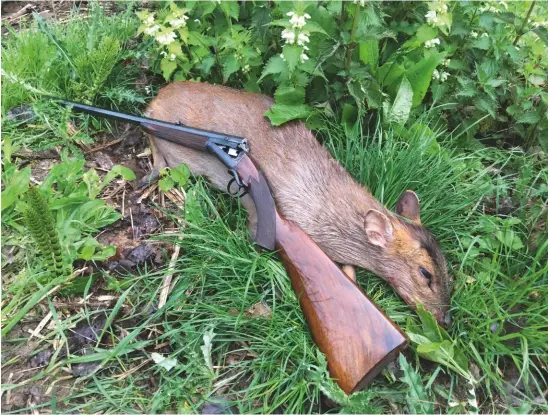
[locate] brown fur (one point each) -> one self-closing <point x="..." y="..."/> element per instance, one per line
<point x="310" y="188"/>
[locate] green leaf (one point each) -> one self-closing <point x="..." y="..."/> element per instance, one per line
<point x="166" y="184"/>
<point x="167" y="66"/>
<point x="16" y="186"/>
<point x="482" y="43"/>
<point x="349" y="114"/>
<point x="369" y="53"/>
<point x="230" y="8"/>
<point x="529" y="117"/>
<point x="400" y="109"/>
<point x="180" y="174"/>
<point x="390" y="73"/>
<point x="230" y="65"/>
<point x="118" y="170"/>
<point x="424" y="33"/>
<point x="288" y="95"/>
<point x="420" y="75"/>
<point x="167" y="363"/>
<point x="292" y="55"/>
<point x="275" y="65"/>
<point x="510" y="239"/>
<point x="279" y="114"/>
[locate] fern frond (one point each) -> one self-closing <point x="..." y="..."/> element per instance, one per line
<point x="41" y="225"/>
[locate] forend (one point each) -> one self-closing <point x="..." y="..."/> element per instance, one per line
<point x="196" y="138"/>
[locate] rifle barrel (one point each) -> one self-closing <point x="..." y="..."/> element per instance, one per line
<point x="176" y="133"/>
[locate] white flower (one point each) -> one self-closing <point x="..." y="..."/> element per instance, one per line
<point x="177" y="23"/>
<point x="484" y="35"/>
<point x="432" y="43"/>
<point x="282" y="56"/>
<point x="297" y="21"/>
<point x="302" y="39"/>
<point x="151" y="31"/>
<point x="290" y="14"/>
<point x="442" y="9"/>
<point x="149" y="20"/>
<point x="440" y="76"/>
<point x="306" y="16"/>
<point x="303" y="58"/>
<point x="148" y="89"/>
<point x="306" y="47"/>
<point x="446" y="62"/>
<point x="362" y="2"/>
<point x="431" y="18"/>
<point x="172" y="57"/>
<point x="288" y="36"/>
<point x="246" y="69"/>
<point x="163" y="53"/>
<point x="474" y="34"/>
<point x="197" y="21"/>
<point x="166" y="38"/>
<point x="444" y="76"/>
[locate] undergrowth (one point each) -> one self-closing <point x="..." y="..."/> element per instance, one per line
<point x="206" y="344"/>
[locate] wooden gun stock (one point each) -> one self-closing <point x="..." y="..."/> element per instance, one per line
<point x="357" y="338"/>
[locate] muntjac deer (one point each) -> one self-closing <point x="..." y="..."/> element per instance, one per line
<point x="311" y="189"/>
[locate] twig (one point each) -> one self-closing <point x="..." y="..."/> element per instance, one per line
<point x="40" y="325"/>
<point x="103" y="146"/>
<point x="22" y="12"/>
<point x="147" y="192"/>
<point x="124" y="375"/>
<point x="166" y="282"/>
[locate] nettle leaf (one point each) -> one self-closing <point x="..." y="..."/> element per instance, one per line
<point x="398" y="113"/>
<point x="420" y="75"/>
<point x="369" y="53"/>
<point x="292" y="56"/>
<point x="289" y="95"/>
<point x="167" y="66"/>
<point x="482" y="43"/>
<point x="279" y="113"/>
<point x="230" y="8"/>
<point x="468" y="87"/>
<point x="230" y="65"/>
<point x="275" y="65"/>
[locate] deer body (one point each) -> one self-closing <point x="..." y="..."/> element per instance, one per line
<point x="310" y="188"/>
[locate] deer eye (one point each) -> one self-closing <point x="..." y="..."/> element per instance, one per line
<point x="426" y="275"/>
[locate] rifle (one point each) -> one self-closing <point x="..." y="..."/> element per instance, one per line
<point x="357" y="338"/>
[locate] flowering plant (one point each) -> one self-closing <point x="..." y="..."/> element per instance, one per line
<point x="486" y="61"/>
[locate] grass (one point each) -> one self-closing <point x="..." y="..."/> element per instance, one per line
<point x="268" y="363"/>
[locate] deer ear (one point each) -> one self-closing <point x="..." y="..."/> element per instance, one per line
<point x="408" y="206"/>
<point x="378" y="228"/>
